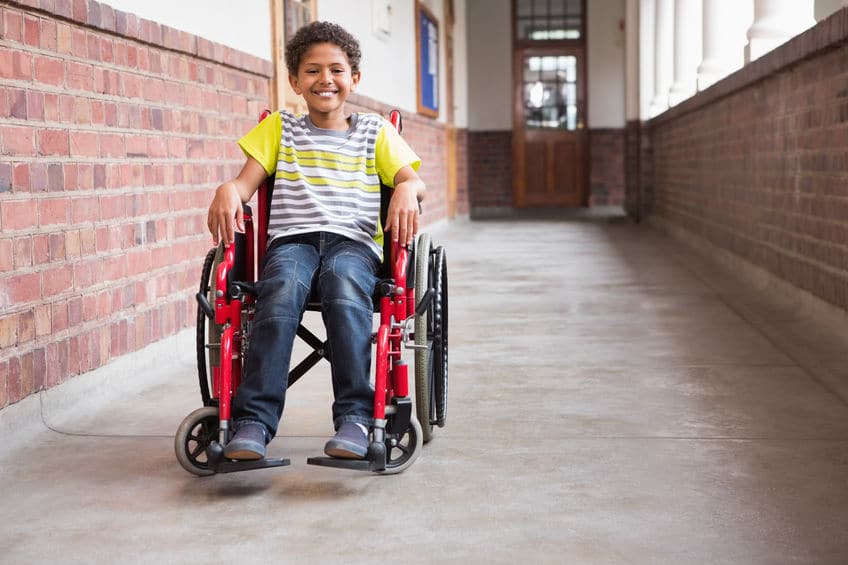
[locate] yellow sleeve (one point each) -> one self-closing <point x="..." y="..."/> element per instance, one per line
<point x="392" y="154"/>
<point x="263" y="142"/>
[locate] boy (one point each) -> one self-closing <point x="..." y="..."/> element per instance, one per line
<point x="324" y="232"/>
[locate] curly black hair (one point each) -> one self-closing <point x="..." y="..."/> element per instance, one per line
<point x="321" y="32"/>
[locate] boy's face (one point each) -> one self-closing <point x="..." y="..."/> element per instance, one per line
<point x="324" y="79"/>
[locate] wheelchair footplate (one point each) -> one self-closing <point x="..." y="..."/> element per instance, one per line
<point x="220" y="464"/>
<point x="337" y="463"/>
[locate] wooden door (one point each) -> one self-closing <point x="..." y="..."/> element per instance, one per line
<point x="549" y="147"/>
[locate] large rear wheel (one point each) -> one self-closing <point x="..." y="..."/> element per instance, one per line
<point x="208" y="335"/>
<point x="439" y="326"/>
<point x="424" y="405"/>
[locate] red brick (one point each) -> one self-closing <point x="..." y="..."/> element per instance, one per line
<point x="22" y="288"/>
<point x="58" y="280"/>
<point x="59" y="316"/>
<point x="51" y="107"/>
<point x="75" y="311"/>
<point x="18" y="140"/>
<point x="71" y="171"/>
<point x="20" y="178"/>
<point x="48" y="37"/>
<point x="29" y="380"/>
<point x="22" y="66"/>
<point x="84" y="144"/>
<point x="42" y="320"/>
<point x="16" y="215"/>
<point x="22" y="252"/>
<point x="8" y="331"/>
<point x="35" y="105"/>
<point x="49" y="70"/>
<point x="85" y="210"/>
<point x="53" y="142"/>
<point x="13" y="28"/>
<point x="26" y="326"/>
<point x="40" y="249"/>
<point x="64" y="39"/>
<point x="112" y="145"/>
<point x="38" y="177"/>
<point x="4" y="384"/>
<point x="13" y="380"/>
<point x="7" y="260"/>
<point x="31" y="31"/>
<point x="53" y="211"/>
<point x="80" y="76"/>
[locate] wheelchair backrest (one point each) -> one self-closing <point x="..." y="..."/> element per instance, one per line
<point x="266" y="191"/>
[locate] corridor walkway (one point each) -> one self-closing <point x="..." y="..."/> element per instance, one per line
<point x="614" y="399"/>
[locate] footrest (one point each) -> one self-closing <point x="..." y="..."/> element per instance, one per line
<point x="236" y="466"/>
<point x="352" y="464"/>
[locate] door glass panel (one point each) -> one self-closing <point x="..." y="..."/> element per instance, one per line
<point x="549" y="20"/>
<point x="550" y="92"/>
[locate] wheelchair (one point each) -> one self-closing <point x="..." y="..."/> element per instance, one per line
<point x="411" y="299"/>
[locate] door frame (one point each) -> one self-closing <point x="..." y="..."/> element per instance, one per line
<point x="522" y="48"/>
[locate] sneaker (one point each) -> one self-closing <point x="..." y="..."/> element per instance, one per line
<point x="248" y="443"/>
<point x="350" y="442"/>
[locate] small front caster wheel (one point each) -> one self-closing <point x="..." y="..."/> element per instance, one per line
<point x="196" y="433"/>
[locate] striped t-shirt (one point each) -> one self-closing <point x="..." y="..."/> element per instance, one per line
<point x="327" y="180"/>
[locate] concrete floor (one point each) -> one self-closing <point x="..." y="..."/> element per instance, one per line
<point x="614" y="398"/>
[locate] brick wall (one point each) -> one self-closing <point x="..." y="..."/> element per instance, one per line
<point x="114" y="131"/>
<point x="758" y="164"/>
<point x="606" y="167"/>
<point x="489" y="171"/>
<point x="428" y="138"/>
<point x="462" y="204"/>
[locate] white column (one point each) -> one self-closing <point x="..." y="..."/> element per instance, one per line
<point x="631" y="61"/>
<point x="663" y="54"/>
<point x="687" y="50"/>
<point x="776" y="22"/>
<point x="646" y="57"/>
<point x="725" y="25"/>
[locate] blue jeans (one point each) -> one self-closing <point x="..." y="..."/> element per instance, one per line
<point x="344" y="273"/>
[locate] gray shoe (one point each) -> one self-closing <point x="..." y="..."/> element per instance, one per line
<point x="350" y="442"/>
<point x="248" y="443"/>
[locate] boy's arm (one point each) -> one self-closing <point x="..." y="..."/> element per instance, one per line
<point x="402" y="216"/>
<point x="226" y="213"/>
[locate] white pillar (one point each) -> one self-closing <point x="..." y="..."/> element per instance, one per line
<point x="687" y="50"/>
<point x="631" y="59"/>
<point x="663" y="54"/>
<point x="725" y="25"/>
<point x="646" y="57"/>
<point x="776" y="22"/>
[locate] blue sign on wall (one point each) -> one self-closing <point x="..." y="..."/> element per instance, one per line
<point x="428" y="63"/>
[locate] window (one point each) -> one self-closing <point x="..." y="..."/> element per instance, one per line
<point x="549" y="20"/>
<point x="298" y="14"/>
<point x="550" y="92"/>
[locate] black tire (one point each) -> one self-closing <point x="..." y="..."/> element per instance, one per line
<point x="208" y="342"/>
<point x="196" y="432"/>
<point x="424" y="405"/>
<point x="440" y="337"/>
<point x="402" y="451"/>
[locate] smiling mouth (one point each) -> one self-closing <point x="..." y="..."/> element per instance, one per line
<point x="326" y="93"/>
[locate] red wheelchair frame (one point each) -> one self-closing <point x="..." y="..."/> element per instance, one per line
<point x="415" y="293"/>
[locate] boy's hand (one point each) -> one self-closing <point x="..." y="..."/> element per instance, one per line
<point x="225" y="207"/>
<point x="402" y="216"/>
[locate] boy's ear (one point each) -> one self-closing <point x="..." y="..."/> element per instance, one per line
<point x="293" y="83"/>
<point x="354" y="76"/>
